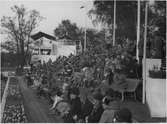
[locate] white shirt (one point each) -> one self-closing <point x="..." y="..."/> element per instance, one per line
<point x="56" y="99"/>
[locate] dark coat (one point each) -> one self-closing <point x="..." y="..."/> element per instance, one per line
<point x="95" y="114"/>
<point x="29" y="80"/>
<point x="87" y="108"/>
<point x="75" y="107"/>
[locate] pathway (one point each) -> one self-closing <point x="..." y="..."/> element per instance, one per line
<point x="36" y="109"/>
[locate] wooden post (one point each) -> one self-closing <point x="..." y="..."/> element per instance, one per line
<point x="144" y="54"/>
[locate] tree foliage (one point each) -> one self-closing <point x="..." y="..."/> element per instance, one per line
<point x="125" y="16"/>
<point x="93" y="38"/>
<point x="126" y="21"/>
<point x="19" y="28"/>
<point x="66" y="28"/>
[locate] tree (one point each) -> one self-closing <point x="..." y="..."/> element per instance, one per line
<point x="66" y="28"/>
<point x="19" y="28"/>
<point x="156" y="36"/>
<point x="125" y="14"/>
<point x="96" y="41"/>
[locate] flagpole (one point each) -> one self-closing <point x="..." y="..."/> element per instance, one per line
<point x="114" y="23"/>
<point x="85" y="25"/>
<point x="144" y="53"/>
<point x="85" y="30"/>
<point x="138" y="30"/>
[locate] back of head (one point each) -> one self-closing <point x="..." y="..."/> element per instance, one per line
<point x="110" y="92"/>
<point x="98" y="96"/>
<point x="74" y="91"/>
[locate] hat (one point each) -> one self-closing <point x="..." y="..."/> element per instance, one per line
<point x="123" y="115"/>
<point x="107" y="100"/>
<point x="97" y="96"/>
<point x="74" y="91"/>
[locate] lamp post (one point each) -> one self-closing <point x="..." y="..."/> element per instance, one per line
<point x="85" y="27"/>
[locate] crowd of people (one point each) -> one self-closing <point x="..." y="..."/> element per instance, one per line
<point x="90" y="108"/>
<point x="81" y="88"/>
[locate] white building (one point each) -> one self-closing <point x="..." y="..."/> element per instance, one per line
<point x="48" y="47"/>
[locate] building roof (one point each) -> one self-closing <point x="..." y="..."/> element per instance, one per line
<point x="41" y="34"/>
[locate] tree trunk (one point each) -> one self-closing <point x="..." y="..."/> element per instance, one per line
<point x="22" y="54"/>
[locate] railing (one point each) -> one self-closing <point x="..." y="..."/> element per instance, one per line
<point x="12" y="107"/>
<point x="4" y="98"/>
<point x="44" y="57"/>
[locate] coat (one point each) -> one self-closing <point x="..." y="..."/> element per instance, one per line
<point x="76" y="107"/>
<point x="108" y="114"/>
<point x="87" y="108"/>
<point x="95" y="114"/>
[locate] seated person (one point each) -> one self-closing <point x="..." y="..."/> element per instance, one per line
<point x="63" y="107"/>
<point x="123" y="116"/>
<point x="120" y="83"/>
<point x="65" y="90"/>
<point x="56" y="98"/>
<point x="37" y="82"/>
<point x="87" y="107"/>
<point x="110" y="106"/>
<point x="97" y="111"/>
<point x="75" y="103"/>
<point x="29" y="79"/>
<point x="104" y="87"/>
<point x="44" y="80"/>
<point x="43" y="89"/>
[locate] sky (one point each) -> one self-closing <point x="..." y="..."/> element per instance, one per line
<point x="54" y="12"/>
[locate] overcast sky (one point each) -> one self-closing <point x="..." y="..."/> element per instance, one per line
<point x="54" y="11"/>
